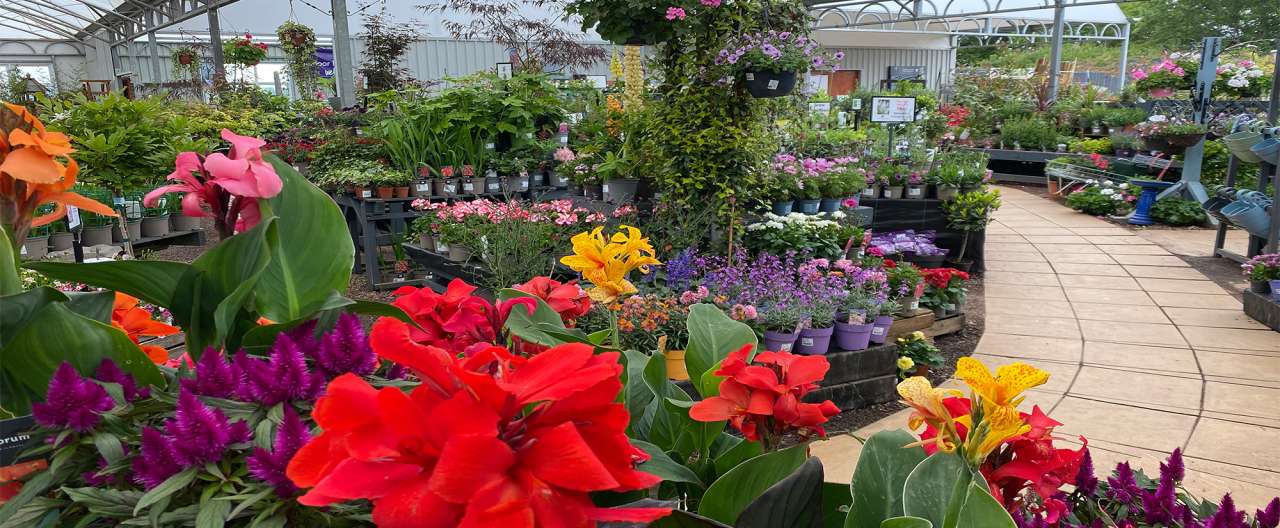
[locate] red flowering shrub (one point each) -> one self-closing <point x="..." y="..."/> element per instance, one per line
<point x="456" y="321"/>
<point x="486" y="441"/>
<point x="763" y="398"/>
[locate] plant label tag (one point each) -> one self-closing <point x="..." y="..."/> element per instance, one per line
<point x="468" y="187"/>
<point x="494" y="186"/>
<point x="450" y="188"/>
<point x="73" y="216"/>
<point x="751" y="76"/>
<point x="441" y="247"/>
<point x="914" y="191"/>
<point x="422" y="187"/>
<point x="806" y="341"/>
<point x="877" y="330"/>
<point x="528" y="135"/>
<point x="23" y="251"/>
<point x="524" y="184"/>
<point x="604" y="188"/>
<point x="869" y="192"/>
<point x="773" y="84"/>
<point x="915" y="304"/>
<point x="564" y="139"/>
<point x="366" y="193"/>
<point x="786" y="347"/>
<point x="488" y="146"/>
<point x="397" y="279"/>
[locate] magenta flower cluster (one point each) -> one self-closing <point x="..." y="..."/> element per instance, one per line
<point x="72" y="402"/>
<point x="195" y="436"/>
<point x="269" y="466"/>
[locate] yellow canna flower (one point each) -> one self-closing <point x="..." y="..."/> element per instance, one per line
<point x="1003" y="389"/>
<point x="606" y="263"/>
<point x="994" y="430"/>
<point x="926" y="400"/>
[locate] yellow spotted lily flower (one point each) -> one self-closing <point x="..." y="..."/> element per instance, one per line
<point x="605" y="263"/>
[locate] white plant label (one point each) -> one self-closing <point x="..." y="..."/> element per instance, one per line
<point x="468" y="187"/>
<point x="73" y="216"/>
<point x="786" y="347"/>
<point x="366" y="193"/>
<point x="806" y="341"/>
<point x="524" y="184"/>
<point x="604" y="188"/>
<point x="450" y="189"/>
<point x="914" y="191"/>
<point x="422" y="187"/>
<point x="773" y="84"/>
<point x="751" y="76"/>
<point x="869" y="192"/>
<point x="494" y="186"/>
<point x="877" y="330"/>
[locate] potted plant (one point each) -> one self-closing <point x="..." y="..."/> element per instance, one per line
<point x="815" y="334"/>
<point x="872" y="187"/>
<point x="298" y="42"/>
<point x="445" y="185"/>
<point x="385" y="182"/>
<point x="624" y="22"/>
<point x="179" y="222"/>
<point x="618" y="181"/>
<point x="243" y="51"/>
<point x="421" y="186"/>
<point x="919" y="353"/>
<point x="97" y="230"/>
<point x="1264" y="273"/>
<point x="781" y="325"/>
<point x="36" y="246"/>
<point x="916" y="186"/>
<point x="60" y="238"/>
<point x="1125" y="145"/>
<point x="186" y="62"/>
<point x="768" y="62"/>
<point x="894" y="177"/>
<point x="808" y="193"/>
<point x="155" y="221"/>
<point x="944" y="291"/>
<point x="852" y="328"/>
<point x="1170" y="135"/>
<point x="562" y="172"/>
<point x="1160" y="80"/>
<point x="882" y="321"/>
<point x="970" y="213"/>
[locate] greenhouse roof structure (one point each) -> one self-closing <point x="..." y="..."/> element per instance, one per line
<point x="1085" y="19"/>
<point x="95" y="22"/>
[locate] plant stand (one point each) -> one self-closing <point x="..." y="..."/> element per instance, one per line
<point x="374" y="223"/>
<point x="1150" y="188"/>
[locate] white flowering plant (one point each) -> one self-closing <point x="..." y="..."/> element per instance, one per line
<point x="820" y="236"/>
<point x="1244" y="78"/>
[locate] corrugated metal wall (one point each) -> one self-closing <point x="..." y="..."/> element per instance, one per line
<point x="875" y="62"/>
<point x="430" y="59"/>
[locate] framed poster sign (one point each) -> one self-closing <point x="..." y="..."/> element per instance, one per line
<point x="504" y="70"/>
<point x="893" y="109"/>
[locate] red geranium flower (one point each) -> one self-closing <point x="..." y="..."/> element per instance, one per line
<point x="762" y="398"/>
<point x="491" y="440"/>
<point x="567" y="299"/>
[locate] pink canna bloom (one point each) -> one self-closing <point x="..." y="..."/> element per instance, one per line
<point x="224" y="187"/>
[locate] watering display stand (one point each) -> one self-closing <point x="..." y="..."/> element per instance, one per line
<point x="1150" y="188"/>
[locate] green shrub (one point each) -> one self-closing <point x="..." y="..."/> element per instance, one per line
<point x="1178" y="212"/>
<point x="1029" y="133"/>
<point x="1093" y="202"/>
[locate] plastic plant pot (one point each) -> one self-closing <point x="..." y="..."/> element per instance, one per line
<point x="1241" y="143"/>
<point x="853" y="336"/>
<point x="782" y="208"/>
<point x="829" y="205"/>
<point x="1275" y="289"/>
<point x="766" y="84"/>
<point x="154" y="226"/>
<point x="620" y="190"/>
<point x="808" y="207"/>
<point x="880" y="329"/>
<point x="1150" y="188"/>
<point x="1268" y="151"/>
<point x="814" y="341"/>
<point x="780" y="341"/>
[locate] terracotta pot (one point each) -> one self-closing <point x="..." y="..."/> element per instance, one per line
<point x="186" y="59"/>
<point x="386" y="192"/>
<point x="362" y="192"/>
<point x="922" y="370"/>
<point x="402" y="192"/>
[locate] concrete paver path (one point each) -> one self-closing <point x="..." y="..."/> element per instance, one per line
<point x="1146" y="354"/>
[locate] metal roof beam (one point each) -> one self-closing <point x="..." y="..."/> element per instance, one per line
<point x="171" y="13"/>
<point x="33" y="21"/>
<point x="29" y="30"/>
<point x="63" y="10"/>
<point x="1079" y="3"/>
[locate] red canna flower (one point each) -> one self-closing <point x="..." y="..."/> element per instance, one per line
<point x="1031" y="461"/>
<point x="456" y="321"/>
<point x="762" y="397"/>
<point x="567" y="299"/>
<point x="490" y="440"/>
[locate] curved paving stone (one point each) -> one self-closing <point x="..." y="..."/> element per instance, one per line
<point x="1145" y="354"/>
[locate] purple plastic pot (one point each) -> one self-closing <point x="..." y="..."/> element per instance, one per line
<point x="880" y="330"/>
<point x="780" y="341"/>
<point x="814" y="341"/>
<point x="853" y="336"/>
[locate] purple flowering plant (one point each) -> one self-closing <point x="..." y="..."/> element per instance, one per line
<point x="1263" y="267"/>
<point x="213" y="443"/>
<point x="777" y="52"/>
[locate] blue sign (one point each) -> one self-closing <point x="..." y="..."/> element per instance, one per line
<point x="324" y="62"/>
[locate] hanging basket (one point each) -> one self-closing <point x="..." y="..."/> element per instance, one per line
<point x="186" y="58"/>
<point x="767" y="84"/>
<point x="297" y="38"/>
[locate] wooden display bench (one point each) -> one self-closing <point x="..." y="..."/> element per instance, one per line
<point x="195" y="237"/>
<point x="1262" y="309"/>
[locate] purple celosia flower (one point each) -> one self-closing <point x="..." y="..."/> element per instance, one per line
<point x="110" y="373"/>
<point x="1269" y="517"/>
<point x="156" y="461"/>
<point x="1123" y="487"/>
<point x="1176" y="469"/>
<point x="397" y="371"/>
<point x="215" y="376"/>
<point x="304" y="335"/>
<point x="72" y="402"/>
<point x="269" y="466"/>
<point x="200" y="434"/>
<point x="1086" y="481"/>
<point x="345" y="349"/>
<point x="285" y="377"/>
<point x="1227" y="516"/>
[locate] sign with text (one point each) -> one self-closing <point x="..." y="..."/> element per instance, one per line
<point x="893" y="109"/>
<point x="324" y="62"/>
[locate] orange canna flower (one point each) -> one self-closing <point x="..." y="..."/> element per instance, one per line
<point x="137" y="322"/>
<point x="32" y="173"/>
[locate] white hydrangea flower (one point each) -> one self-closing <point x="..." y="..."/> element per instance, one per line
<point x="775" y="224"/>
<point x="1158" y="118"/>
<point x="1108" y="192"/>
<point x="1238" y="82"/>
<point x="1254" y="73"/>
<point x="1117" y="197"/>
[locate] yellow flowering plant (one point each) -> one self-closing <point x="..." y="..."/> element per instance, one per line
<point x="606" y="263"/>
